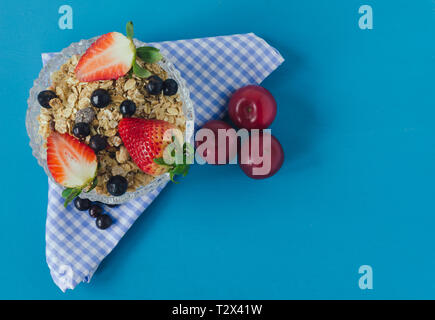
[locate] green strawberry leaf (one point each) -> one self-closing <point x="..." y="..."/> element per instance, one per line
<point x="188" y="153"/>
<point x="74" y="193"/>
<point x="171" y="176"/>
<point x="160" y="161"/>
<point x="93" y="185"/>
<point x="66" y="192"/>
<point x="178" y="169"/>
<point x="140" y="72"/>
<point x="186" y="171"/>
<point x="130" y="32"/>
<point x="130" y="73"/>
<point x="70" y="193"/>
<point x="149" y="54"/>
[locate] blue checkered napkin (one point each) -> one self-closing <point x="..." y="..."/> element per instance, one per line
<point x="213" y="68"/>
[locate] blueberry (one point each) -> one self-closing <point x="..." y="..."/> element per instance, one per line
<point x="82" y="204"/>
<point x="44" y="98"/>
<point x="81" y="130"/>
<point x="117" y="185"/>
<point x="154" y="85"/>
<point x="155" y="78"/>
<point x="127" y="108"/>
<point x="170" y="87"/>
<point x="98" y="142"/>
<point x="103" y="221"/>
<point x="95" y="211"/>
<point x="100" y="98"/>
<point x="112" y="205"/>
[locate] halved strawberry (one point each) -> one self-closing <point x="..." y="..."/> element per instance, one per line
<point x="111" y="56"/>
<point x="72" y="163"/>
<point x="144" y="140"/>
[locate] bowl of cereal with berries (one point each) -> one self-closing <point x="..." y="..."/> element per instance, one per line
<point x="99" y="115"/>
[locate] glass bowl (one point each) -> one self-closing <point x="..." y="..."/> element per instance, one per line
<point x="44" y="81"/>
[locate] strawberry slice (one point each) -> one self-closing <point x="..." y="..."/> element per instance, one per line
<point x="111" y="56"/>
<point x="72" y="163"/>
<point x="144" y="140"/>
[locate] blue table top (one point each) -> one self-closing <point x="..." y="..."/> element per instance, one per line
<point x="355" y="117"/>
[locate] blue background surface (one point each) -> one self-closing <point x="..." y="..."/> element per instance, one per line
<point x="355" y="116"/>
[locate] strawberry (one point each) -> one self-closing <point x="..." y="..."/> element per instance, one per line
<point x="145" y="141"/>
<point x="72" y="163"/>
<point x="111" y="56"/>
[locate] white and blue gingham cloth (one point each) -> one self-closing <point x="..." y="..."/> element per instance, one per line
<point x="213" y="68"/>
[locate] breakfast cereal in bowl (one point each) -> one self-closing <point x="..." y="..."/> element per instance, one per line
<point x="98" y="114"/>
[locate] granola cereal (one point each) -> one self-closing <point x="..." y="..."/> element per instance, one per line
<point x="73" y="105"/>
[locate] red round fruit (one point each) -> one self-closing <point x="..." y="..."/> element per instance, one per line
<point x="260" y="159"/>
<point x="252" y="107"/>
<point x="211" y="154"/>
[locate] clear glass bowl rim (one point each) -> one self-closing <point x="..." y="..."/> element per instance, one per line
<point x="43" y="81"/>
